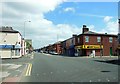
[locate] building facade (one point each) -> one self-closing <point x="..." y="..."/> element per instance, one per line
<point x="87" y="44"/>
<point x="94" y="44"/>
<point x="10" y="44"/>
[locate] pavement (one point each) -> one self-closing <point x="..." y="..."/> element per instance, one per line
<point x="11" y="70"/>
<point x="40" y="67"/>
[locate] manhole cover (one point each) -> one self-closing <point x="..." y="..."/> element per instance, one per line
<point x="105" y="71"/>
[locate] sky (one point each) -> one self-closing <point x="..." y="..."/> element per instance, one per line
<point x="57" y="20"/>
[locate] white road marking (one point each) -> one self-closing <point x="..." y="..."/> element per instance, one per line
<point x="18" y="70"/>
<point x="14" y="66"/>
<point x="90" y="81"/>
<point x="107" y="79"/>
<point x="7" y="64"/>
<point x="4" y="74"/>
<point x="99" y="80"/>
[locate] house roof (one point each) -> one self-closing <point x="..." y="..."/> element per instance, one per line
<point x="8" y="29"/>
<point x="90" y="32"/>
<point x="58" y="42"/>
<point x="94" y="33"/>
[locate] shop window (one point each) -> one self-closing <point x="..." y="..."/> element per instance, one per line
<point x="86" y="38"/>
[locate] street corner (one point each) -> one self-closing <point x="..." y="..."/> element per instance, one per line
<point x="12" y="72"/>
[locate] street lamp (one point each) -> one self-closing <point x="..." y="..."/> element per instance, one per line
<point x="24" y="27"/>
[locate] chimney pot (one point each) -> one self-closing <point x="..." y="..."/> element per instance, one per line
<point x="85" y="29"/>
<point x="84" y="26"/>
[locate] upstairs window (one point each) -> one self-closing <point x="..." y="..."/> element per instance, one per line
<point x="110" y="39"/>
<point x="98" y="39"/>
<point x="86" y="38"/>
<point x="78" y="40"/>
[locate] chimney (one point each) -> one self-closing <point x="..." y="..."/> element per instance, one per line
<point x="74" y="35"/>
<point x="85" y="29"/>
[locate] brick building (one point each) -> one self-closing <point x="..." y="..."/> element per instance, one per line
<point x="119" y="38"/>
<point x="56" y="47"/>
<point x="101" y="44"/>
<point x="87" y="44"/>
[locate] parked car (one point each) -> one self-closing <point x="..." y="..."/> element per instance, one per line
<point x="54" y="53"/>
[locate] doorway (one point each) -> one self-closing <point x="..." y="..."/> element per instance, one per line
<point x="111" y="51"/>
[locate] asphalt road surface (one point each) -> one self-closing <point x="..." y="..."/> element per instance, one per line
<point x="52" y="68"/>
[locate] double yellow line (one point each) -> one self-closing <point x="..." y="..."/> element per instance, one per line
<point x="29" y="68"/>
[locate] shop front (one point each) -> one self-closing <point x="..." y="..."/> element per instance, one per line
<point x="89" y="50"/>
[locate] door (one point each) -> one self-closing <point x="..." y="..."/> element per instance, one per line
<point x="110" y="51"/>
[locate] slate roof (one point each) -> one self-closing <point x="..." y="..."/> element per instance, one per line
<point x="8" y="29"/>
<point x="94" y="33"/>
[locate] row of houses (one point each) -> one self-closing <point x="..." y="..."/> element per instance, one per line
<point x="12" y="44"/>
<point x="86" y="44"/>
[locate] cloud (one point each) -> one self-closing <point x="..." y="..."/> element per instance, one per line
<point x="91" y="15"/>
<point x="40" y="30"/>
<point x="69" y="9"/>
<point x="111" y="26"/>
<point x="107" y="18"/>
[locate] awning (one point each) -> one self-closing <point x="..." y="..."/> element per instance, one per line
<point x="6" y="46"/>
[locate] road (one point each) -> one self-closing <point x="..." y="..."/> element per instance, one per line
<point x="52" y="68"/>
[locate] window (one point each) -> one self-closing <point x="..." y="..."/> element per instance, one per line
<point x="78" y="40"/>
<point x="72" y="42"/>
<point x="98" y="39"/>
<point x="17" y="52"/>
<point x="86" y="38"/>
<point x="110" y="39"/>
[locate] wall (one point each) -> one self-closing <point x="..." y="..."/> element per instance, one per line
<point x="6" y="53"/>
<point x="9" y="39"/>
<point x="105" y="42"/>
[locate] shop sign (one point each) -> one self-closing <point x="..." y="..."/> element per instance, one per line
<point x="90" y="47"/>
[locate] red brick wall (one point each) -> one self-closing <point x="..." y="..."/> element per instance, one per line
<point x="105" y="42"/>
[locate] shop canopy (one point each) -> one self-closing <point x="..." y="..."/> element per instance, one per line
<point x="6" y="46"/>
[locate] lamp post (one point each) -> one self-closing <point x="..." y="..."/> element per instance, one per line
<point x="24" y="27"/>
<point x="24" y="37"/>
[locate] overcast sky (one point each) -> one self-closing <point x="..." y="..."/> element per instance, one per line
<point x="60" y="19"/>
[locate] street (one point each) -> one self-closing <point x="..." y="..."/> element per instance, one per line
<point x="54" y="68"/>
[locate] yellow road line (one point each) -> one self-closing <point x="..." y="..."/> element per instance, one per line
<point x="28" y="71"/>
